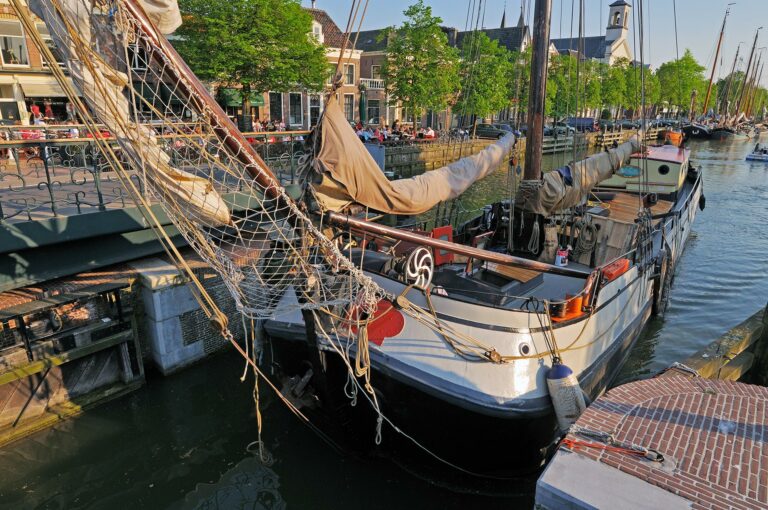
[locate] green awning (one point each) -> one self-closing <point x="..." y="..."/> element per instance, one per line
<point x="232" y="97"/>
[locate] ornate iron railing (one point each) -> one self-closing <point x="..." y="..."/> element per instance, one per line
<point x="52" y="171"/>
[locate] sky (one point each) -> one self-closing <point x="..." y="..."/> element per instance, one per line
<point x="698" y="23"/>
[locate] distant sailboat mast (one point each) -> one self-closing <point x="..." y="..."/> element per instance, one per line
<point x="714" y="63"/>
<point x="747" y="72"/>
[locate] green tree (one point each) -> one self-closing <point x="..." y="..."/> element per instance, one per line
<point x="421" y="70"/>
<point x="486" y="74"/>
<point x="520" y="82"/>
<point x="679" y="78"/>
<point x="260" y="45"/>
<point x="614" y="86"/>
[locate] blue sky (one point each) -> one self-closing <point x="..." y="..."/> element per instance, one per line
<point x="698" y="22"/>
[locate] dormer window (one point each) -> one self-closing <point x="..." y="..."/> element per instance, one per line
<point x="317" y="32"/>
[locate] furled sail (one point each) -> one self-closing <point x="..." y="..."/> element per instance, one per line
<point x="105" y="91"/>
<point x="350" y="175"/>
<point x="568" y="186"/>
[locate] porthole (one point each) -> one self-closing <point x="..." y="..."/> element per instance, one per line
<point x="525" y="349"/>
<point x="664" y="169"/>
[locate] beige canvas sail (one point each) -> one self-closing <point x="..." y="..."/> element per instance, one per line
<point x="349" y="173"/>
<point x="555" y="195"/>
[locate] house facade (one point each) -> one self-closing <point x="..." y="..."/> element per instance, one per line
<point x="25" y="76"/>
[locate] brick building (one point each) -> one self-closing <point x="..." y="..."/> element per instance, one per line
<point x="25" y="77"/>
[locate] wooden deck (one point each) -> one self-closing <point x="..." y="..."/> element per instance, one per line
<point x="625" y="206"/>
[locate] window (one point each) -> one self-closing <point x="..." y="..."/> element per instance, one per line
<point x="276" y="106"/>
<point x="317" y="31"/>
<point x="295" y="113"/>
<point x="349" y="107"/>
<point x="616" y="19"/>
<point x="331" y="73"/>
<point x="349" y="74"/>
<point x="375" y="72"/>
<point x="13" y="45"/>
<point x="373" y="112"/>
<point x="46" y="36"/>
<point x="664" y="169"/>
<point x="137" y="57"/>
<point x="314" y="110"/>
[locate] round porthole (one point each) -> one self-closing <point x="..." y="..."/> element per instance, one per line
<point x="525" y="349"/>
<point x="664" y="169"/>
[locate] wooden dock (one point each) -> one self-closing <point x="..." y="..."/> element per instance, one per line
<point x="692" y="437"/>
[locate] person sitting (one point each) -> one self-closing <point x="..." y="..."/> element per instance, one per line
<point x="429" y="133"/>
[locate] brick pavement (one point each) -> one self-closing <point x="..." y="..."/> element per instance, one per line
<point x="715" y="432"/>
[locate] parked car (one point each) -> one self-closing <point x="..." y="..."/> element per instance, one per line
<point x="583" y="124"/>
<point x="559" y="129"/>
<point x="629" y="124"/>
<point x="487" y="131"/>
<point x="508" y="129"/>
<point x="607" y="124"/>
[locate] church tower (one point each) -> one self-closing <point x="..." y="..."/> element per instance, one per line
<point x="618" y="21"/>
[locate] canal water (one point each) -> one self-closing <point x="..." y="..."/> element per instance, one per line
<point x="182" y="441"/>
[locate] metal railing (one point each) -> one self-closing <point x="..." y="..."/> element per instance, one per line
<point x="372" y="83"/>
<point x="52" y="171"/>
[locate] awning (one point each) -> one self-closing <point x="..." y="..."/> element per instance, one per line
<point x="232" y="97"/>
<point x="43" y="90"/>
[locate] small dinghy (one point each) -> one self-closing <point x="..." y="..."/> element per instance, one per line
<point x="759" y="154"/>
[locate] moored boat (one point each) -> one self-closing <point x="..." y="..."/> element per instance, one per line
<point x="760" y="153"/>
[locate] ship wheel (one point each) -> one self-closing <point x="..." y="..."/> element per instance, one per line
<point x="419" y="268"/>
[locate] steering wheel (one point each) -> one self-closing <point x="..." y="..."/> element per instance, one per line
<point x="419" y="267"/>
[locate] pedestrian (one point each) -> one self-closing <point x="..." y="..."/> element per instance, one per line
<point x="71" y="116"/>
<point x="48" y="109"/>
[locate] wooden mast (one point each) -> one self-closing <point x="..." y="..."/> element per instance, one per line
<point x="747" y="71"/>
<point x="755" y="85"/>
<point x="714" y="64"/>
<point x="537" y="96"/>
<point x="726" y="98"/>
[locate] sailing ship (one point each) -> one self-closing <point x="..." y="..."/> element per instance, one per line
<point x="456" y="336"/>
<point x="482" y="315"/>
<point x="738" y="126"/>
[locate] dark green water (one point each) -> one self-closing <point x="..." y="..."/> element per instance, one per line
<point x="180" y="442"/>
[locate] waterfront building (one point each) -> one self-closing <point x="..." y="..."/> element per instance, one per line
<point x="604" y="48"/>
<point x="25" y="76"/>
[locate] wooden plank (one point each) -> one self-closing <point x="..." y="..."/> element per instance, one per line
<point x="711" y="361"/>
<point x="35" y="367"/>
<point x="736" y="368"/>
<point x="60" y="299"/>
<point x="516" y="273"/>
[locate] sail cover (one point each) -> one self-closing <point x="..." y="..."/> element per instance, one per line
<point x="569" y="186"/>
<point x="350" y="175"/>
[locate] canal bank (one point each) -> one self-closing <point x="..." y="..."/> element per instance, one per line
<point x="720" y="283"/>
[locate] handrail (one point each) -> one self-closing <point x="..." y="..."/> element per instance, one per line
<point x="460" y="249"/>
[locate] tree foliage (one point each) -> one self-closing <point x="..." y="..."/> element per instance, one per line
<point x="260" y="45"/>
<point x="679" y="78"/>
<point x="422" y="69"/>
<point x="485" y="72"/>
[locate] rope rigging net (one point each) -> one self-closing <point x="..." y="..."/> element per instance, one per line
<point x="208" y="179"/>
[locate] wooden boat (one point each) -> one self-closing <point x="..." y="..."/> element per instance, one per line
<point x="480" y="315"/>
